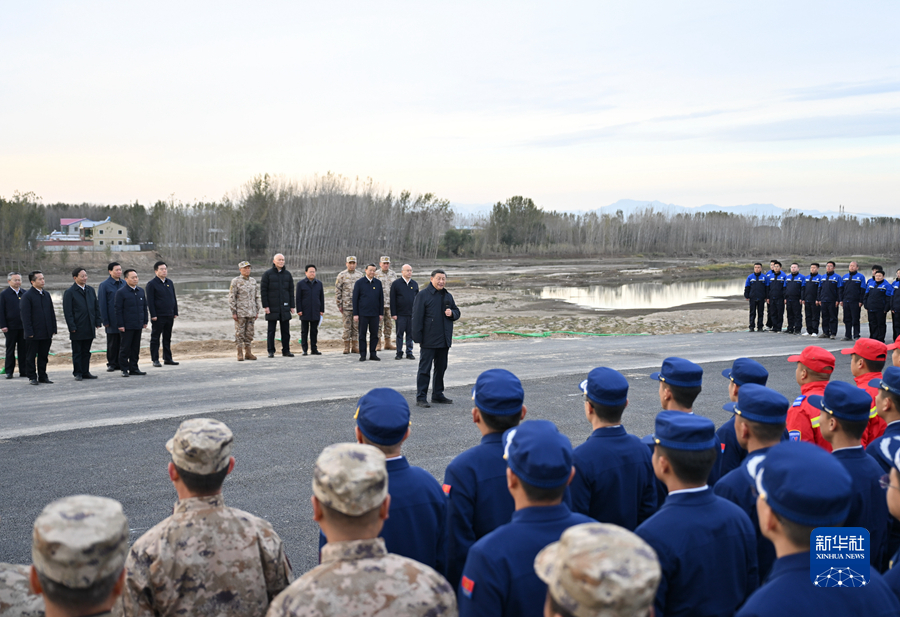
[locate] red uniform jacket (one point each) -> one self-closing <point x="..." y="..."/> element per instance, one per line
<point x="803" y="418"/>
<point x="876" y="424"/>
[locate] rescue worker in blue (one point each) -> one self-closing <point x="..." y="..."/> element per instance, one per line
<point x="499" y="578"/>
<point x="368" y="310"/>
<point x="878" y="300"/>
<point x="768" y="276"/>
<point x="755" y="292"/>
<point x="475" y="481"/>
<point x="810" y="300"/>
<point x="742" y="371"/>
<point x="794" y="286"/>
<point x="895" y="307"/>
<point x="614" y="481"/>
<point x="854" y="283"/>
<point x="416" y="526"/>
<point x="830" y="290"/>
<point x="883" y="448"/>
<point x="845" y="416"/>
<point x="775" y="296"/>
<point x="760" y="417"/>
<point x="802" y="487"/>
<point x="892" y="576"/>
<point x="705" y="544"/>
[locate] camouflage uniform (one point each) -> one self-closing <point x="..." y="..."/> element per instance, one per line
<point x="343" y="295"/>
<point x="386" y="326"/>
<point x="358" y="578"/>
<point x="16" y="599"/>
<point x="243" y="299"/>
<point x="206" y="559"/>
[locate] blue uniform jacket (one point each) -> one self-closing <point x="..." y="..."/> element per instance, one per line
<point x="878" y="297"/>
<point x="161" y="299"/>
<point x="731" y="454"/>
<point x="811" y="290"/>
<point x="794" y="286"/>
<point x="868" y="508"/>
<point x="38" y="316"/>
<point x="892" y="579"/>
<point x="11" y="308"/>
<point x="131" y="308"/>
<point x="881" y="448"/>
<point x="478" y="500"/>
<point x="499" y="578"/>
<point x="790" y="593"/>
<point x="106" y="296"/>
<point x="831" y="286"/>
<point x="775" y="284"/>
<point x="755" y="287"/>
<point x="368" y="298"/>
<point x="707" y="549"/>
<point x="895" y="297"/>
<point x="738" y="487"/>
<point x="614" y="480"/>
<point x="854" y="287"/>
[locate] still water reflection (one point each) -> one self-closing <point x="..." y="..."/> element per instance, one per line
<point x="645" y="295"/>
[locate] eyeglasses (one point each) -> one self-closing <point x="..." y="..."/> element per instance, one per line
<point x="885" y="482"/>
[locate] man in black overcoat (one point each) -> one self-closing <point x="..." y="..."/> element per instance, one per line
<point x="82" y="312"/>
<point x="276" y="290"/>
<point x="39" y="323"/>
<point x="368" y="311"/>
<point x="310" y="307"/>
<point x="11" y="324"/>
<point x="132" y="316"/>
<point x="434" y="312"/>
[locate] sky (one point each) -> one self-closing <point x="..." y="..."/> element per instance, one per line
<point x="574" y="104"/>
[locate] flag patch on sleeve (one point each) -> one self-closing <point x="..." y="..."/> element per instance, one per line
<point x="467" y="585"/>
<point x="794" y="435"/>
<point x="446" y="488"/>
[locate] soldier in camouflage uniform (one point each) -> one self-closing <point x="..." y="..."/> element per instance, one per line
<point x="78" y="553"/>
<point x="16" y="599"/>
<point x="343" y="295"/>
<point x="358" y="577"/>
<point x="206" y="559"/>
<point x="598" y="570"/>
<point x="387" y="278"/>
<point x="243" y="299"/>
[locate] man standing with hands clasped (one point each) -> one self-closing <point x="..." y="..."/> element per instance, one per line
<point x="403" y="295"/>
<point x="277" y="292"/>
<point x="131" y="318"/>
<point x="82" y="312"/>
<point x="39" y="323"/>
<point x="310" y="307"/>
<point x="368" y="311"/>
<point x="434" y="312"/>
<point x="163" y="312"/>
<point x="11" y="323"/>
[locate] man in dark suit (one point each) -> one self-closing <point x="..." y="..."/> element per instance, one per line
<point x="434" y="312"/>
<point x="106" y="296"/>
<point x="163" y="308"/>
<point x="39" y="324"/>
<point x="276" y="290"/>
<point x="403" y="294"/>
<point x="368" y="311"/>
<point x="82" y="313"/>
<point x="11" y="324"/>
<point x="310" y="307"/>
<point x="132" y="317"/>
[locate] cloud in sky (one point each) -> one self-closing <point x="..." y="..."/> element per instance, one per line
<point x="577" y="104"/>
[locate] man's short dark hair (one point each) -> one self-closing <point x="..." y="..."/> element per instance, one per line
<point x="816" y="264"/>
<point x="776" y="263"/>
<point x="879" y="271"/>
<point x="854" y="429"/>
<point x="758" y="264"/>
<point x="691" y="466"/>
<point x="537" y="494"/>
<point x="685" y="397"/>
<point x="437" y="271"/>
<point x="764" y="432"/>
<point x="500" y="424"/>
<point x="872" y="366"/>
<point x="796" y="533"/>
<point x="112" y="265"/>
<point x="79" y="599"/>
<point x="877" y="267"/>
<point x="202" y="484"/>
<point x="32" y="275"/>
<point x="77" y="271"/>
<point x="306" y="269"/>
<point x="895" y="399"/>
<point x="794" y="263"/>
<point x="372" y="265"/>
<point x="125" y="274"/>
<point x="158" y="264"/>
<point x="606" y="412"/>
<point x="830" y="263"/>
<point x="773" y="261"/>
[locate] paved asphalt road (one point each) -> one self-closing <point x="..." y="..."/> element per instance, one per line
<point x="70" y="437"/>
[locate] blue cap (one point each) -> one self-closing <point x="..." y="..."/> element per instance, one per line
<point x="680" y="372"/>
<point x="805" y="484"/>
<point x="760" y="404"/>
<point x="684" y="431"/>
<point x="745" y="370"/>
<point x="843" y="400"/>
<point x="538" y="453"/>
<point x="498" y="392"/>
<point x="606" y="386"/>
<point x="382" y="415"/>
<point x="890" y="380"/>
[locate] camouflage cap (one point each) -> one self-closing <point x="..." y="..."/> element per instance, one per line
<point x="201" y="446"/>
<point x="351" y="258"/>
<point x="80" y="540"/>
<point x="351" y="478"/>
<point x="385" y="259"/>
<point x="244" y="264"/>
<point x="600" y="570"/>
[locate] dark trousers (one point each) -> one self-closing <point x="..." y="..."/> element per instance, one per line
<point x="829" y="318"/>
<point x="895" y="323"/>
<point x="877" y="325"/>
<point x="851" y="319"/>
<point x="776" y="312"/>
<point x="81" y="356"/>
<point x="794" y="315"/>
<point x="427" y="357"/>
<point x="285" y="335"/>
<point x="813" y="311"/>
<point x="129" y="349"/>
<point x="370" y="325"/>
<point x="756" y="310"/>
<point x="404" y="331"/>
<point x="113" y="343"/>
<point x="36" y="350"/>
<point x="768" y="315"/>
<point x="309" y="333"/>
<point x="15" y="347"/>
<point x="161" y="327"/>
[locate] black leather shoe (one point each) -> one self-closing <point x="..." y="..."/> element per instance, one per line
<point x="846" y="338"/>
<point x="137" y="373"/>
<point x="111" y="369"/>
<point x="362" y="358"/>
<point x="271" y="354"/>
<point x="305" y="354"/>
<point x="442" y="400"/>
<point x="374" y="357"/>
<point x="34" y="382"/>
<point x="45" y="381"/>
<point x="78" y="378"/>
<point x="316" y="352"/>
<point x="125" y="374"/>
<point x="171" y="363"/>
<point x="89" y="376"/>
<point x="422" y="404"/>
<point x="156" y="364"/>
<point x="398" y="357"/>
<point x="409" y="356"/>
<point x="9" y="375"/>
<point x="287" y="354"/>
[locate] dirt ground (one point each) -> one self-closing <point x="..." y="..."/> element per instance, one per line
<point x="493" y="296"/>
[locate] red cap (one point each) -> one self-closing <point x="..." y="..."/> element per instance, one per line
<point x="868" y="348"/>
<point x="895" y="345"/>
<point x="815" y="359"/>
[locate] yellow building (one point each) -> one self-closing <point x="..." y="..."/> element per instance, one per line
<point x="104" y="233"/>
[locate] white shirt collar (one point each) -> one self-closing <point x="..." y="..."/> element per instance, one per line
<point x="81" y="286"/>
<point x="847" y="448"/>
<point x="394" y="458"/>
<point x="691" y="490"/>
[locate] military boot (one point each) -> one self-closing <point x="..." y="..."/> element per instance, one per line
<point x="355" y="346"/>
<point x="387" y="344"/>
<point x="248" y="354"/>
<point x="240" y="354"/>
<point x="346" y="346"/>
<point x="378" y="346"/>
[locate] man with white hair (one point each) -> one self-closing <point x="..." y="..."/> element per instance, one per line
<point x="11" y="323"/>
<point x="402" y="295"/>
<point x="276" y="290"/>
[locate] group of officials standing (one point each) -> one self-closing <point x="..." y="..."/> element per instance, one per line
<point x="822" y="295"/>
